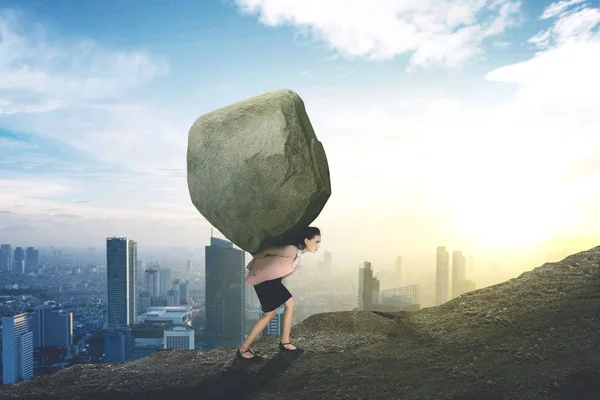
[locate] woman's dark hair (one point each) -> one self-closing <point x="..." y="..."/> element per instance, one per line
<point x="307" y="233"/>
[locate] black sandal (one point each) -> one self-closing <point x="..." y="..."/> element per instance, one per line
<point x="296" y="350"/>
<point x="256" y="356"/>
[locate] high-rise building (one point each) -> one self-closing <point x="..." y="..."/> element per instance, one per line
<point x="189" y="267"/>
<point x="141" y="273"/>
<point x="458" y="272"/>
<point x="121" y="269"/>
<point x="184" y="293"/>
<point x="172" y="298"/>
<point x="179" y="337"/>
<point x="6" y="258"/>
<point x="152" y="282"/>
<point x="119" y="344"/>
<point x="365" y="287"/>
<point x="17" y="349"/>
<point x="31" y="259"/>
<point x="52" y="326"/>
<point x="225" y="294"/>
<point x="145" y="302"/>
<point x="19" y="261"/>
<point x="442" y="272"/>
<point x="177" y="288"/>
<point x="166" y="282"/>
<point x="398" y="266"/>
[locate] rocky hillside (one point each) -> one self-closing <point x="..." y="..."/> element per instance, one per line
<point x="533" y="337"/>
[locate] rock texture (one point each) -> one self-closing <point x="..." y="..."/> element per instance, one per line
<point x="533" y="337"/>
<point x="256" y="170"/>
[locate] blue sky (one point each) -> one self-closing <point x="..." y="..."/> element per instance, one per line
<point x="449" y="106"/>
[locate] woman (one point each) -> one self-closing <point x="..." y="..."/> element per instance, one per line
<point x="266" y="270"/>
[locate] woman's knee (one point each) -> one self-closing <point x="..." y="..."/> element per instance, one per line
<point x="290" y="303"/>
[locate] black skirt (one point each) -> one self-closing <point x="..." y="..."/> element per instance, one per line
<point x="272" y="294"/>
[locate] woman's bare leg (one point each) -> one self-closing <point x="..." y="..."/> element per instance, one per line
<point x="288" y="315"/>
<point x="258" y="327"/>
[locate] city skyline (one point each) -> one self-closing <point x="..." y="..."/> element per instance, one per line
<point x="475" y="130"/>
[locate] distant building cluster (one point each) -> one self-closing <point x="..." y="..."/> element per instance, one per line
<point x="20" y="261"/>
<point x="146" y="310"/>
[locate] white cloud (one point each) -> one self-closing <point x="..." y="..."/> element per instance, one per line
<point x="38" y="74"/>
<point x="440" y="32"/>
<point x="573" y="24"/>
<point x="555" y="9"/>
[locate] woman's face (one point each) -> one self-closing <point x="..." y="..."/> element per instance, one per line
<point x="313" y="244"/>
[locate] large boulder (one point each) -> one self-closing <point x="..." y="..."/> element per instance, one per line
<point x="256" y="170"/>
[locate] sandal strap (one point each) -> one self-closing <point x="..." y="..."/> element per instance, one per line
<point x="287" y="343"/>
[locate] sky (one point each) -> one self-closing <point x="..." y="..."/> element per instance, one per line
<point x="468" y="124"/>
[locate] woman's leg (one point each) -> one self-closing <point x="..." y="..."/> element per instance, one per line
<point x="288" y="315"/>
<point x="258" y="327"/>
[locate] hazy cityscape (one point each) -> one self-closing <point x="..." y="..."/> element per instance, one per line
<point x="68" y="306"/>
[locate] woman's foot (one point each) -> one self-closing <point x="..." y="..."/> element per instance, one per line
<point x="290" y="347"/>
<point x="248" y="354"/>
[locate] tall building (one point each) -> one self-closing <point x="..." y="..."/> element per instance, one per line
<point x="172" y="298"/>
<point x="225" y="294"/>
<point x="442" y="271"/>
<point x="17" y="349"/>
<point x="179" y="337"/>
<point x="5" y="258"/>
<point x="365" y="287"/>
<point x="119" y="344"/>
<point x="52" y="326"/>
<point x="31" y="259"/>
<point x="166" y="282"/>
<point x="458" y="272"/>
<point x="189" y="267"/>
<point x="152" y="282"/>
<point x="121" y="269"/>
<point x="184" y="293"/>
<point x="398" y="270"/>
<point x="141" y="272"/>
<point x="19" y="261"/>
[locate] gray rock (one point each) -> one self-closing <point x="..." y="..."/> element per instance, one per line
<point x="256" y="170"/>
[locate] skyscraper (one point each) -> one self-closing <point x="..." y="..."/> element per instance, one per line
<point x="398" y="270"/>
<point x="17" y="349"/>
<point x="31" y="259"/>
<point x="166" y="282"/>
<point x="19" y="261"/>
<point x="225" y="294"/>
<point x="442" y="272"/>
<point x="184" y="293"/>
<point x="5" y="258"/>
<point x="51" y="326"/>
<point x="458" y="272"/>
<point x="151" y="282"/>
<point x="119" y="344"/>
<point x="365" y="287"/>
<point x="121" y="269"/>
